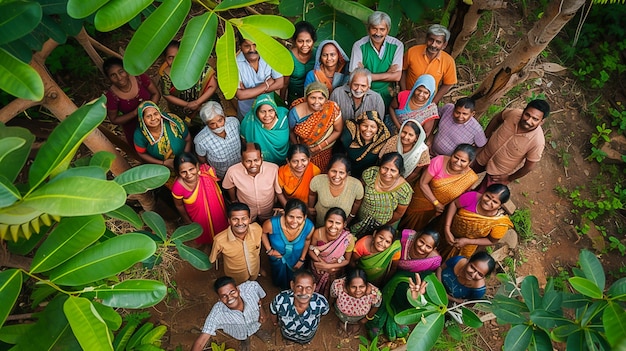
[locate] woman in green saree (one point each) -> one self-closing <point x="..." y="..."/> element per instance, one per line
<point x="377" y="254"/>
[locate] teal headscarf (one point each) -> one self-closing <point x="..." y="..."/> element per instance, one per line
<point x="274" y="142"/>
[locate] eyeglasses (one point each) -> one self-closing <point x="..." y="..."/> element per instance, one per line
<point x="473" y="271"/>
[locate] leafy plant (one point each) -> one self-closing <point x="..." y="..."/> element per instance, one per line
<point x="366" y="345"/>
<point x="137" y="336"/>
<point x="220" y="347"/>
<point x="523" y="223"/>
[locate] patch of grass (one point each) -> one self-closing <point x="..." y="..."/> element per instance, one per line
<point x="523" y="224"/>
<point x="465" y="339"/>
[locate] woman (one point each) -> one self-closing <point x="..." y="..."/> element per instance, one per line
<point x="186" y="103"/>
<point x="377" y="254"/>
<point x="335" y="189"/>
<point x="294" y="177"/>
<point x="416" y="104"/>
<point x="363" y="139"/>
<point x="387" y="195"/>
<point x="331" y="66"/>
<point x="160" y="136"/>
<point x="266" y="124"/>
<point x="355" y="301"/>
<point x="125" y="95"/>
<point x="464" y="278"/>
<point x="316" y="122"/>
<point x="286" y="239"/>
<point x="303" y="55"/>
<point x="331" y="250"/>
<point x="476" y="219"/>
<point x="198" y="198"/>
<point x="410" y="144"/>
<point x="446" y="178"/>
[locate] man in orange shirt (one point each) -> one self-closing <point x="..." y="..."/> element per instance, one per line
<point x="430" y="59"/>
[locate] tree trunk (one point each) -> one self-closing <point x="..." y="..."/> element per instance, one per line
<point x="515" y="67"/>
<point x="465" y="22"/>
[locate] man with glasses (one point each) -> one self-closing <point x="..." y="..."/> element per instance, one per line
<point x="239" y="313"/>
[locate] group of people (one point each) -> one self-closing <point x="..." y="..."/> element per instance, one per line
<point x="345" y="185"/>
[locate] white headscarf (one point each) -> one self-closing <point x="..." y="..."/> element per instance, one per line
<point x="412" y="157"/>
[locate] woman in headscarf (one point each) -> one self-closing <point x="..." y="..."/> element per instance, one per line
<point x="416" y="104"/>
<point x="266" y="124"/>
<point x="316" y="122"/>
<point x="410" y="144"/>
<point x="331" y="66"/>
<point x="363" y="139"/>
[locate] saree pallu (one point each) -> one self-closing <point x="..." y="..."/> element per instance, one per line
<point x="330" y="252"/>
<point x="205" y="204"/>
<point x="421" y="210"/>
<point x="467" y="224"/>
<point x="297" y="188"/>
<point x="315" y="129"/>
<point x="415" y="265"/>
<point x="282" y="268"/>
<point x="422" y="115"/>
<point x="376" y="266"/>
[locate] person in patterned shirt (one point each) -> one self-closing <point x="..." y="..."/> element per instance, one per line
<point x="298" y="310"/>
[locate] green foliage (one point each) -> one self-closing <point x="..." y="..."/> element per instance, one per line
<point x="597" y="318"/>
<point x="220" y="347"/>
<point x="523" y="223"/>
<point x="366" y="345"/>
<point x="71" y="58"/>
<point x="135" y="334"/>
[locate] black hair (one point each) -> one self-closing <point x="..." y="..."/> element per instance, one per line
<point x="223" y="281"/>
<point x="432" y="232"/>
<point x="395" y="158"/>
<point x="484" y="257"/>
<point x="503" y="192"/>
<point x="468" y="149"/>
<point x="172" y="44"/>
<point x="298" y="149"/>
<point x="304" y="26"/>
<point x="466" y="102"/>
<point x="335" y="211"/>
<point x="237" y="206"/>
<point x="110" y="62"/>
<point x="295" y="204"/>
<point x="387" y="228"/>
<point x="244" y="147"/>
<point x="184" y="157"/>
<point x="341" y="158"/>
<point x="415" y="128"/>
<point x="302" y="272"/>
<point x="352" y="274"/>
<point x="240" y="38"/>
<point x="541" y="105"/>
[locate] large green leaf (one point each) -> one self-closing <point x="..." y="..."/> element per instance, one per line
<point x="426" y="333"/>
<point x="116" y="13"/>
<point x="547" y="320"/>
<point x="187" y="232"/>
<point x="112" y="319"/>
<point x="82" y="8"/>
<point x="614" y="321"/>
<point x="142" y="178"/>
<point x="586" y="287"/>
<point x="8" y="192"/>
<point x="592" y="268"/>
<point x="52" y="29"/>
<point x="501" y="302"/>
<point x="102" y="159"/>
<point x="18" y="18"/>
<point x="71" y="26"/>
<point x="156" y="223"/>
<point x="19" y="49"/>
<point x="77" y="196"/>
<point x="87" y="325"/>
<point x="11" y="333"/>
<point x="64" y="140"/>
<point x="508" y="315"/>
<point x="104" y="260"/>
<point x="69" y="237"/>
<point x="137" y="293"/>
<point x="618" y="289"/>
<point x="530" y="293"/>
<point x="540" y="341"/>
<point x="591" y="314"/>
<point x="412" y="316"/>
<point x="274" y="26"/>
<point x="274" y="53"/>
<point x="154" y="34"/>
<point x="195" y="257"/>
<point x="294" y="8"/>
<point x="560" y="334"/>
<point x="227" y="72"/>
<point x="11" y="159"/>
<point x="195" y="48"/>
<point x="18" y="214"/>
<point x="10" y="287"/>
<point x="351" y="8"/>
<point x="552" y="299"/>
<point x="470" y="318"/>
<point x="18" y="78"/>
<point x="84" y="171"/>
<point x="236" y="4"/>
<point x="435" y="291"/>
<point x="126" y="213"/>
<point x="518" y="338"/>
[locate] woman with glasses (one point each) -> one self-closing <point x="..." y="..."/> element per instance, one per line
<point x="464" y="278"/>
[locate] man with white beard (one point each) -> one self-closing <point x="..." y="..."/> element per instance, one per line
<point x="218" y="144"/>
<point x="356" y="97"/>
<point x="239" y="313"/>
<point x="298" y="311"/>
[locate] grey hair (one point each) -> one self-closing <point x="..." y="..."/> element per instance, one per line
<point x="361" y="71"/>
<point x="377" y="17"/>
<point x="210" y="110"/>
<point x="439" y="30"/>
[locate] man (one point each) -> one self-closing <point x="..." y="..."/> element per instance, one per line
<point x="456" y="126"/>
<point x="218" y="144"/>
<point x="356" y="97"/>
<point x="239" y="245"/>
<point x="431" y="59"/>
<point x="255" y="183"/>
<point x="256" y="77"/>
<point x="514" y="137"/>
<point x="239" y="313"/>
<point x="380" y="53"/>
<point x="298" y="310"/>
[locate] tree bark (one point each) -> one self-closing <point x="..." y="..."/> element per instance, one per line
<point x="515" y="67"/>
<point x="465" y="22"/>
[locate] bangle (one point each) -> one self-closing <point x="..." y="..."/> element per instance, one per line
<point x="268" y="251"/>
<point x="436" y="202"/>
<point x="351" y="215"/>
<point x="369" y="318"/>
<point x="301" y="260"/>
